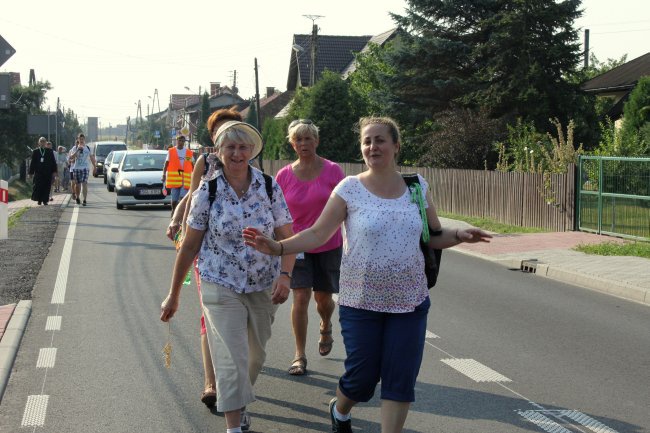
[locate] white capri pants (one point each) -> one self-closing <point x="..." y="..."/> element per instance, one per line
<point x="238" y="328"/>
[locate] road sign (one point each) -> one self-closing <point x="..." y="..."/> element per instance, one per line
<point x="156" y="134"/>
<point x="6" y="51"/>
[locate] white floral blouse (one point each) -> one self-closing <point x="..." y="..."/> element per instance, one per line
<point x="224" y="259"/>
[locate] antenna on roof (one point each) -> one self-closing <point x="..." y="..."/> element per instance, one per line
<point x="314" y="44"/>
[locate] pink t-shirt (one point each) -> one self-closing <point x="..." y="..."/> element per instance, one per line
<point x="306" y="199"/>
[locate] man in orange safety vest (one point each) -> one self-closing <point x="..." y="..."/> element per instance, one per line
<point x="177" y="171"/>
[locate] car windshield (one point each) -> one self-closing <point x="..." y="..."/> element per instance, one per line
<point x="105" y="149"/>
<point x="144" y="162"/>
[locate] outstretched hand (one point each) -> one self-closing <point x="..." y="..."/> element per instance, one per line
<point x="254" y="238"/>
<point x="473" y="235"/>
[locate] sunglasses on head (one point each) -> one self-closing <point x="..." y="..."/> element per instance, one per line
<point x="299" y="121"/>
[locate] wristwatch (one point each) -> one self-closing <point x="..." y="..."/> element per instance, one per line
<point x="288" y="274"/>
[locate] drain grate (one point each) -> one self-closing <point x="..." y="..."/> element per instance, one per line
<point x="529" y="266"/>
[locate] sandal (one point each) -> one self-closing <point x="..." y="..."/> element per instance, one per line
<point x="324" y="348"/>
<point x="209" y="397"/>
<point x="298" y="366"/>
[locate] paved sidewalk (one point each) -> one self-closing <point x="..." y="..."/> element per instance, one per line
<point x="550" y="255"/>
<point x="59" y="198"/>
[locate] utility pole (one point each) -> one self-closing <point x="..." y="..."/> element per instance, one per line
<point x="257" y="105"/>
<point x="314" y="45"/>
<point x="586" y="48"/>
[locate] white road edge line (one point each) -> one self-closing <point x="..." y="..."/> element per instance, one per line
<point x="58" y="297"/>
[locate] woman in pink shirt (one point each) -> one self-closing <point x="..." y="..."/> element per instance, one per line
<point x="307" y="184"/>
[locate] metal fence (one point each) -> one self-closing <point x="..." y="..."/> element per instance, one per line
<point x="522" y="199"/>
<point x="614" y="196"/>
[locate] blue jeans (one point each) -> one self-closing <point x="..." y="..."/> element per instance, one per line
<point x="178" y="193"/>
<point x="382" y="346"/>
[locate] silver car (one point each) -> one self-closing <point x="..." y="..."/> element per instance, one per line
<point x="138" y="178"/>
<point x="112" y="160"/>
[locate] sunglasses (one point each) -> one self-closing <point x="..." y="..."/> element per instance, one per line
<point x="299" y="121"/>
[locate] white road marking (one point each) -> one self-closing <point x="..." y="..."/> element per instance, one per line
<point x="35" y="410"/>
<point x="543" y="422"/>
<point x="46" y="357"/>
<point x="58" y="297"/>
<point x="431" y="335"/>
<point x="475" y="370"/>
<point x="587" y="421"/>
<point x="53" y="323"/>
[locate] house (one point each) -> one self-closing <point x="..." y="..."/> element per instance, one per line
<point x="270" y="104"/>
<point x="617" y="83"/>
<point x="334" y="53"/>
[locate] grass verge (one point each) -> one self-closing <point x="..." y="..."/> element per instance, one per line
<point x="19" y="190"/>
<point x="631" y="248"/>
<point x="15" y="217"/>
<point x="491" y="225"/>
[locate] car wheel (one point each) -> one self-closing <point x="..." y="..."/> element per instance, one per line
<point x="119" y="206"/>
<point x="105" y="181"/>
<point x="110" y="187"/>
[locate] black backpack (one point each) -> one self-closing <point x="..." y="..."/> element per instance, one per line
<point x="432" y="256"/>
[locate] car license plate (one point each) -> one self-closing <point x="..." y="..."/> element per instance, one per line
<point x="150" y="192"/>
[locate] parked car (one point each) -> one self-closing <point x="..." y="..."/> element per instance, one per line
<point x="139" y="178"/>
<point x="112" y="160"/>
<point x="101" y="149"/>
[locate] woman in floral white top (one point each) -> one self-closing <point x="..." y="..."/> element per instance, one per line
<point x="240" y="288"/>
<point x="383" y="294"/>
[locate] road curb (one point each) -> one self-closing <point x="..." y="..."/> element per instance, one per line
<point x="615" y="288"/>
<point x="11" y="341"/>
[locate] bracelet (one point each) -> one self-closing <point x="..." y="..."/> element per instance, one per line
<point x="281" y="249"/>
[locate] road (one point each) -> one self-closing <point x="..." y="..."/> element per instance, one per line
<point x="506" y="351"/>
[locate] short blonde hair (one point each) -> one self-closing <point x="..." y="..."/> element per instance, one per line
<point x="302" y="129"/>
<point x="236" y="135"/>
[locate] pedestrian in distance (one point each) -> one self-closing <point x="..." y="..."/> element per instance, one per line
<point x="383" y="299"/>
<point x="73" y="184"/>
<point x="177" y="171"/>
<point x="175" y="231"/>
<point x="55" y="175"/>
<point x="63" y="175"/>
<point x="81" y="159"/>
<point x="240" y="288"/>
<point x="307" y="184"/>
<point x="42" y="167"/>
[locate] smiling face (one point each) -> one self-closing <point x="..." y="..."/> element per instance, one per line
<point x="235" y="154"/>
<point x="378" y="146"/>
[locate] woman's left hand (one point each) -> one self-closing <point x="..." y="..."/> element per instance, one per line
<point x="473" y="235"/>
<point x="280" y="291"/>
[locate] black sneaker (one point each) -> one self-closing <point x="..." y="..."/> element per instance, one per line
<point x="78" y="201"/>
<point x="339" y="426"/>
<point x="84" y="203"/>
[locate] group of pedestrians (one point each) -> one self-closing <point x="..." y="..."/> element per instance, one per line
<point x="54" y="172"/>
<point x="292" y="240"/>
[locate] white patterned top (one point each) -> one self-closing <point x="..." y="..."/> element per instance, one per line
<point x="224" y="258"/>
<point x="382" y="268"/>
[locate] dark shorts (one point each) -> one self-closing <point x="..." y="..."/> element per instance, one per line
<point x="386" y="347"/>
<point x="319" y="271"/>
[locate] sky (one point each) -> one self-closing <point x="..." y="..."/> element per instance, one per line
<point x="101" y="63"/>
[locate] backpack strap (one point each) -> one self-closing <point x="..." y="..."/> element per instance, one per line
<point x="206" y="166"/>
<point x="212" y="190"/>
<point x="412" y="179"/>
<point x="268" y="183"/>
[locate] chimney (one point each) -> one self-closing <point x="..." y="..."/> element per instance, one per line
<point x="214" y="88"/>
<point x="270" y="91"/>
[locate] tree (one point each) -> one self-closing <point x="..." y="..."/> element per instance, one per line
<point x="274" y="135"/>
<point x="14" y="140"/>
<point x="334" y="108"/>
<point x="636" y="111"/>
<point x="202" y="132"/>
<point x="251" y="117"/>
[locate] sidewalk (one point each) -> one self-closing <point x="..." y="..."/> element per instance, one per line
<point x="550" y="255"/>
<point x="59" y="200"/>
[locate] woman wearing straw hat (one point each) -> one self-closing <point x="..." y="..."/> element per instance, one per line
<point x="240" y="289"/>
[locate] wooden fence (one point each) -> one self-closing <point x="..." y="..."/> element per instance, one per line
<point x="511" y="198"/>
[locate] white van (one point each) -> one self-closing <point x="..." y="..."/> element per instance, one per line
<point x="101" y="149"/>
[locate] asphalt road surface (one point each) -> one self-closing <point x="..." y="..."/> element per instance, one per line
<point x="506" y="351"/>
